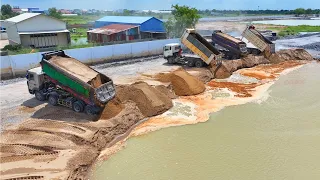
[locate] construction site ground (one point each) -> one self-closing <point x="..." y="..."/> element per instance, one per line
<point x="41" y="141"/>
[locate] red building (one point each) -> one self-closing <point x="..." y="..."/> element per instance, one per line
<point x="114" y="32"/>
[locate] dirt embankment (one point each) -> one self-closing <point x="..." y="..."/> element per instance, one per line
<point x="57" y="143"/>
<point x="227" y="67"/>
<point x="290" y="54"/>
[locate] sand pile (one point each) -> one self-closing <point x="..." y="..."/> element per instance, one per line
<point x="167" y="91"/>
<point x="203" y="74"/>
<point x="227" y="67"/>
<point x="251" y="61"/>
<point x="290" y="54"/>
<point x="53" y="149"/>
<point x="182" y="82"/>
<point x="150" y="101"/>
<point x="113" y="108"/>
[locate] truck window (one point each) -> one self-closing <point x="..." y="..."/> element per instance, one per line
<point x="31" y="77"/>
<point x="166" y="48"/>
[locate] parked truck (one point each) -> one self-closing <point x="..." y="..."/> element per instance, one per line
<point x="65" y="81"/>
<point x="204" y="52"/>
<point x="258" y="40"/>
<point x="231" y="47"/>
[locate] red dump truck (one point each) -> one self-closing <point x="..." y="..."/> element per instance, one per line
<point x="65" y="81"/>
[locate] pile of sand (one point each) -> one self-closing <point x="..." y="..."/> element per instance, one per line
<point x="225" y="69"/>
<point x="167" y="91"/>
<point x="150" y="101"/>
<point x="251" y="61"/>
<point x="203" y="74"/>
<point x="182" y="82"/>
<point x="290" y="54"/>
<point x="113" y="108"/>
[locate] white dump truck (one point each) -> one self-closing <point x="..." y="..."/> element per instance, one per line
<point x="204" y="52"/>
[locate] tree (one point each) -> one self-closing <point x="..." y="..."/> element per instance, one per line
<point x="126" y="12"/>
<point x="6" y="12"/>
<point x="183" y="17"/>
<point x="309" y="11"/>
<point x="54" y="13"/>
<point x="299" y="11"/>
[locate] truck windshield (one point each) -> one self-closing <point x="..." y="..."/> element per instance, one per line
<point x="166" y="48"/>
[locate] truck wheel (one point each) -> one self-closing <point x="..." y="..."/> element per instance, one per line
<point x="170" y="60"/>
<point x="77" y="106"/>
<point x="53" y="100"/>
<point x="191" y="63"/>
<point x="198" y="64"/>
<point x="39" y="95"/>
<point x="89" y="110"/>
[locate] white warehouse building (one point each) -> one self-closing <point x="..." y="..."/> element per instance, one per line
<point x="37" y="30"/>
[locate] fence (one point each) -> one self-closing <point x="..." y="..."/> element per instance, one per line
<point x="17" y="65"/>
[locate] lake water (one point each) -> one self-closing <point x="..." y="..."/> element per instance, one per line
<point x="276" y="139"/>
<point x="291" y="22"/>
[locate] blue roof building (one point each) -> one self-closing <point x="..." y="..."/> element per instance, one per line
<point x="147" y="24"/>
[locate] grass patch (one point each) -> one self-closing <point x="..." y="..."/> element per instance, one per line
<point x="82" y="19"/>
<point x="294" y="30"/>
<point x="23" y="51"/>
<point x="81" y="33"/>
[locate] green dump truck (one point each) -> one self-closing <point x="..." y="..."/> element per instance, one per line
<point x="65" y="81"/>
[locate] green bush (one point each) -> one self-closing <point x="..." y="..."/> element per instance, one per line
<point x="10" y="47"/>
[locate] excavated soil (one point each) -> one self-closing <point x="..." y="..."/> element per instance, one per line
<point x="56" y="143"/>
<point x="227" y="67"/>
<point x="290" y="54"/>
<point x="63" y="150"/>
<point x="74" y="67"/>
<point x="113" y="108"/>
<point x="182" y="82"/>
<point x="150" y="101"/>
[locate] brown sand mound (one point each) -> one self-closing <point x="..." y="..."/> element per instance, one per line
<point x="167" y="91"/>
<point x="227" y="67"/>
<point x="150" y="101"/>
<point x="290" y="54"/>
<point x="182" y="82"/>
<point x="113" y="108"/>
<point x="186" y="85"/>
<point x="203" y="74"/>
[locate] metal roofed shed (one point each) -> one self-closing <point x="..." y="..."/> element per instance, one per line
<point x="114" y="32"/>
<point x="150" y="27"/>
<point x="37" y="31"/>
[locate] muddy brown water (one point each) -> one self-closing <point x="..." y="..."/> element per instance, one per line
<point x="276" y="139"/>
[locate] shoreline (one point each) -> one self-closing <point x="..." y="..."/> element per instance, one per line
<point x="159" y="122"/>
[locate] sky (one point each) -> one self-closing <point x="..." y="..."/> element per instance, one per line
<point x="165" y="4"/>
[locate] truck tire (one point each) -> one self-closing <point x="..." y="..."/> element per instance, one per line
<point x="53" y="100"/>
<point x="77" y="106"/>
<point x="170" y="60"/>
<point x="190" y="62"/>
<point x="89" y="109"/>
<point x="198" y="64"/>
<point x="39" y="95"/>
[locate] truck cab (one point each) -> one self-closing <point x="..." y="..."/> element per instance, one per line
<point x="35" y="80"/>
<point x="171" y="51"/>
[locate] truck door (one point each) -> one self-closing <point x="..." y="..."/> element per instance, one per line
<point x="32" y="81"/>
